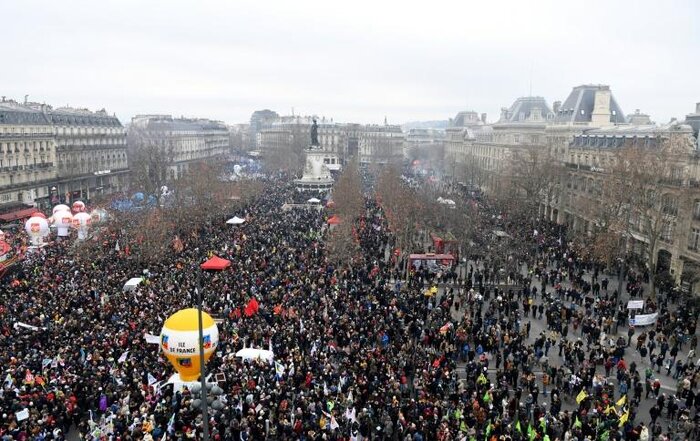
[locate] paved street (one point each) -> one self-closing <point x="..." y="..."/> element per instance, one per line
<point x="538" y="326"/>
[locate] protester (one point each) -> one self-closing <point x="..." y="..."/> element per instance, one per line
<point x="357" y="354"/>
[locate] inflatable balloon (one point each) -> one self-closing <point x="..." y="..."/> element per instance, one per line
<point x="138" y="197"/>
<point x="179" y="340"/>
<point x="4" y="249"/>
<point x="98" y="215"/>
<point x="60" y="207"/>
<point x="78" y="207"/>
<point x="81" y="222"/>
<point x="37" y="228"/>
<point x="63" y="221"/>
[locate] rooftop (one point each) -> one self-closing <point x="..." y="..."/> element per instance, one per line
<point x="579" y="106"/>
<point x="637" y="130"/>
<point x="168" y="123"/>
<point x="13" y="112"/>
<point x="527" y="109"/>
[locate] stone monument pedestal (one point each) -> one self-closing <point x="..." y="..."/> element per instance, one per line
<point x="317" y="177"/>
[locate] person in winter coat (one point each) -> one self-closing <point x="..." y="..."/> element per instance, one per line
<point x="643" y="433"/>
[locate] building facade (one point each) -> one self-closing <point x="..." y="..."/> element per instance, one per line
<point x="291" y="135"/>
<point x="239" y="137"/>
<point x="587" y="106"/>
<point x="591" y="159"/>
<point x="259" y="120"/>
<point x="91" y="153"/>
<point x="52" y="156"/>
<point x="380" y="145"/>
<point x="461" y="129"/>
<point x="27" y="157"/>
<point x="187" y="140"/>
<point x="483" y="153"/>
<point x="423" y="140"/>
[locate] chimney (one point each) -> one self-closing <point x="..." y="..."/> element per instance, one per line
<point x="697" y="106"/>
<point x="504" y="113"/>
<point x="556" y="106"/>
<point x="601" y="107"/>
<point x="483" y="117"/>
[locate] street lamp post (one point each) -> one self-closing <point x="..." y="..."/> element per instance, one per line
<point x="202" y="367"/>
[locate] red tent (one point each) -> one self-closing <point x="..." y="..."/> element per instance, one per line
<point x="333" y="220"/>
<point x="216" y="263"/>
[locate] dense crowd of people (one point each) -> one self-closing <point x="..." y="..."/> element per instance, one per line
<point x="358" y="353"/>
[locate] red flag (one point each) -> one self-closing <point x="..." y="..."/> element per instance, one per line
<point x="252" y="307"/>
<point x="236" y="313"/>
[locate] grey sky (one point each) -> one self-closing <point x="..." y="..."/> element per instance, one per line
<point x="352" y="60"/>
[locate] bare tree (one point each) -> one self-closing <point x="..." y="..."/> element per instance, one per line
<point x="640" y="199"/>
<point x="150" y="156"/>
<point x="533" y="177"/>
<point x="348" y="201"/>
<point x="404" y="210"/>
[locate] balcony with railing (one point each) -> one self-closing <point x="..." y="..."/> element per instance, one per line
<point x="25" y="135"/>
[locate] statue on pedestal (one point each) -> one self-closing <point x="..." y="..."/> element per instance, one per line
<point x="314" y="134"/>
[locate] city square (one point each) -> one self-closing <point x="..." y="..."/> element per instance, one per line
<point x="467" y="274"/>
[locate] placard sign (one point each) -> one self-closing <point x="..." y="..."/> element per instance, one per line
<point x="644" y="319"/>
<point x="635" y="304"/>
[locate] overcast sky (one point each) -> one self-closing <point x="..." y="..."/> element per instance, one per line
<point x="354" y="60"/>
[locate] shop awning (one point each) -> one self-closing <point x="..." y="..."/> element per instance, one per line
<point x="20" y="214"/>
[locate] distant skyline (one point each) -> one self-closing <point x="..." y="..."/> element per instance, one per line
<point x="353" y="61"/>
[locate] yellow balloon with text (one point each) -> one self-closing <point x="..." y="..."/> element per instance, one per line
<point x="179" y="341"/>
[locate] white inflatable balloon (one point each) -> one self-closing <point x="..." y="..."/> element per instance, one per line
<point x="78" y="207"/>
<point x="81" y="222"/>
<point x="63" y="220"/>
<point x="60" y="207"/>
<point x="37" y="228"/>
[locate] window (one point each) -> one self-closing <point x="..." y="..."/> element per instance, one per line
<point x="667" y="232"/>
<point x="669" y="205"/>
<point x="694" y="239"/>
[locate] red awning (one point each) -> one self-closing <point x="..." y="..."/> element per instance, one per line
<point x="216" y="263"/>
<point x="334" y="220"/>
<point x="20" y="214"/>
